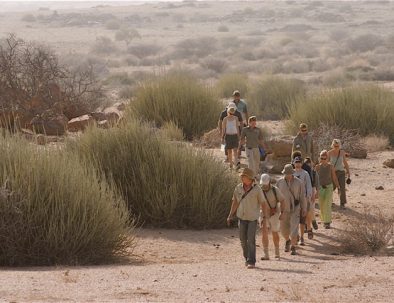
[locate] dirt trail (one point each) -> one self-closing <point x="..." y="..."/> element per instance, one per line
<point x="195" y="266"/>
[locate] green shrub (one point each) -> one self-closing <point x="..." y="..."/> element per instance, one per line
<point x="230" y="82"/>
<point x="54" y="210"/>
<point x="178" y="97"/>
<point x="166" y="184"/>
<point x="270" y="97"/>
<point x="369" y="109"/>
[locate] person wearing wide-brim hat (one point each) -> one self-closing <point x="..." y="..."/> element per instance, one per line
<point x="295" y="204"/>
<point x="247" y="202"/>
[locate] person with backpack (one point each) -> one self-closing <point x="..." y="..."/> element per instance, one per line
<point x="327" y="179"/>
<point x="275" y="202"/>
<point x="247" y="202"/>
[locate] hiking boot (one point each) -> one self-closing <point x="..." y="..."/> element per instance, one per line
<point x="302" y="242"/>
<point x="251" y="266"/>
<point x="266" y="257"/>
<point x="287" y="246"/>
<point x="314" y="224"/>
<point x="310" y="234"/>
<point x="293" y="251"/>
<point x="327" y="225"/>
<point x="342" y="206"/>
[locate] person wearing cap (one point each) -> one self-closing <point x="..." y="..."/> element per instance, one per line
<point x="241" y="106"/>
<point x="294" y="204"/>
<point x="247" y="202"/>
<point x="231" y="135"/>
<point x="223" y="115"/>
<point x="274" y="200"/>
<point x="303" y="142"/>
<point x="306" y="181"/>
<point x="253" y="137"/>
<point x="327" y="177"/>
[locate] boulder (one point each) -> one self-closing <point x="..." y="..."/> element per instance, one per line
<point x="98" y="116"/>
<point x="49" y="123"/>
<point x="121" y="106"/>
<point x="389" y="163"/>
<point x="80" y="123"/>
<point x="281" y="146"/>
<point x="276" y="164"/>
<point x="359" y="153"/>
<point x="112" y="114"/>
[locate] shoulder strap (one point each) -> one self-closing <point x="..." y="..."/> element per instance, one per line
<point x="246" y="193"/>
<point x="336" y="161"/>
<point x="266" y="198"/>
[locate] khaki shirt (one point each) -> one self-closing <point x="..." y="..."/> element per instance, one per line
<point x="304" y="146"/>
<point x="252" y="135"/>
<point x="296" y="188"/>
<point x="272" y="202"/>
<point x="249" y="207"/>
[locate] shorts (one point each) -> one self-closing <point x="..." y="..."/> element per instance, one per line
<point x="231" y="141"/>
<point x="273" y="223"/>
<point x="290" y="222"/>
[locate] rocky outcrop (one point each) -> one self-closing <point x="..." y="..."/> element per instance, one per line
<point x="80" y="123"/>
<point x="281" y="146"/>
<point x="49" y="123"/>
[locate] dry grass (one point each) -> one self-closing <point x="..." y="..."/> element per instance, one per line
<point x="375" y="143"/>
<point x="370" y="234"/>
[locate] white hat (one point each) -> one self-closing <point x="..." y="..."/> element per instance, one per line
<point x="265" y="179"/>
<point x="232" y="105"/>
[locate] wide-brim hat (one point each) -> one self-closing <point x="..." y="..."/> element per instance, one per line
<point x="247" y="172"/>
<point x="288" y="169"/>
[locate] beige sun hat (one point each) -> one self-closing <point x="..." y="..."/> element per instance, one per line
<point x="288" y="169"/>
<point x="247" y="172"/>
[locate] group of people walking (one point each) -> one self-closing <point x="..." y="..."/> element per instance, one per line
<point x="287" y="207"/>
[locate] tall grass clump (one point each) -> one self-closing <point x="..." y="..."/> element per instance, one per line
<point x="166" y="184"/>
<point x="54" y="210"/>
<point x="369" y="109"/>
<point x="271" y="97"/>
<point x="231" y="82"/>
<point x="178" y="97"/>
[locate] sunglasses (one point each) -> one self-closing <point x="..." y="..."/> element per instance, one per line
<point x="336" y="146"/>
<point x="304" y="130"/>
<point x="323" y="158"/>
